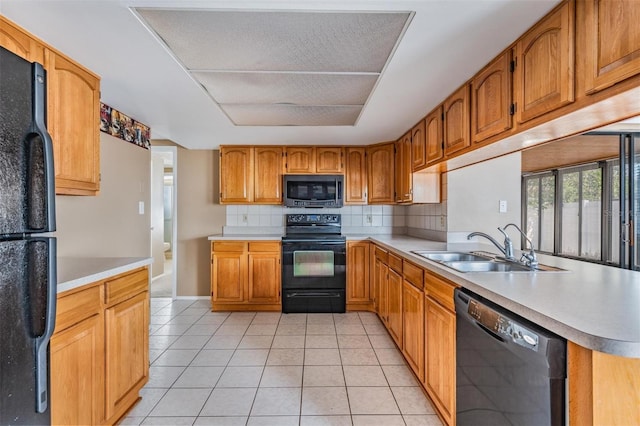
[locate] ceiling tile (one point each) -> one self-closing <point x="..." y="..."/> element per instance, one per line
<point x="292" y="115"/>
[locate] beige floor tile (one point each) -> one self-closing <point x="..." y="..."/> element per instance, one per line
<point x="213" y="358"/>
<point x="288" y="342"/>
<point x="201" y="330"/>
<point x="181" y="402"/>
<point x="266" y="318"/>
<point x="256" y="342"/>
<point x="372" y="400"/>
<point x="277" y="402"/>
<point x="150" y="397"/>
<point x="412" y="400"/>
<point x="358" y="357"/>
<point x="293" y="319"/>
<point x="176" y="357"/>
<point x="240" y="377"/>
<point x="351" y="341"/>
<point x="389" y="356"/>
<point x="168" y="421"/>
<point x="319" y="319"/>
<point x="286" y="357"/>
<point x="369" y="318"/>
<point x="273" y="421"/>
<point x="185" y="319"/>
<point x="221" y="421"/>
<point x="422" y="420"/>
<point x="356" y="329"/>
<point x="163" y="377"/>
<point x="376" y="328"/>
<point x="291" y="329"/>
<point x="199" y="377"/>
<point x="322" y="357"/>
<point x="364" y="375"/>
<point x="321" y="342"/>
<point x="281" y="376"/>
<point x="321" y="329"/>
<point x="381" y="341"/>
<point x="325" y="421"/>
<point x="161" y="341"/>
<point x="223" y="342"/>
<point x="323" y="375"/>
<point x="229" y="402"/>
<point x="324" y="401"/>
<point x="231" y="329"/>
<point x="131" y="421"/>
<point x="190" y="342"/>
<point x="172" y="329"/>
<point x="248" y="357"/>
<point x="261" y="330"/>
<point x="399" y="375"/>
<point x="379" y="420"/>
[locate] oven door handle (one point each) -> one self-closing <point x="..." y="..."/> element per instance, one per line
<point x="313" y="294"/>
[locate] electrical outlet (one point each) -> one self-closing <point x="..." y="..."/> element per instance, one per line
<point x="369" y="218"/>
<point x="245" y="218"/>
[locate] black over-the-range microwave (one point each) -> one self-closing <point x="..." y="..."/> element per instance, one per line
<point x="313" y="190"/>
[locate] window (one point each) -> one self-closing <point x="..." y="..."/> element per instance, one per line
<point x="540" y="210"/>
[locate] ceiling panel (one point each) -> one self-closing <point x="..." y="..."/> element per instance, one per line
<point x="295" y="88"/>
<point x="292" y="115"/>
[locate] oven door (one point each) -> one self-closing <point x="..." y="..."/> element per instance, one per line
<point x="309" y="264"/>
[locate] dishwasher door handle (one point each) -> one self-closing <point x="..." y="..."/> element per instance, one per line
<point x="489" y="332"/>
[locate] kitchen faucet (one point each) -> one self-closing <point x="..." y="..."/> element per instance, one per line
<point x="507" y="250"/>
<point x="530" y="258"/>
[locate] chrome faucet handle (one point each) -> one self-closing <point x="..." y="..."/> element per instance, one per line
<point x="508" y="245"/>
<point x="531" y="259"/>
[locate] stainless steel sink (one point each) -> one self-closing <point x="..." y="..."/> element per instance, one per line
<point x="487" y="266"/>
<point x="451" y="256"/>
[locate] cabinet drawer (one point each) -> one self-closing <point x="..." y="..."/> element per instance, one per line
<point x="264" y="246"/>
<point x="75" y="307"/>
<point x="440" y="290"/>
<point x="237" y="246"/>
<point x="381" y="254"/>
<point x="122" y="287"/>
<point x="413" y="274"/>
<point x="395" y="263"/>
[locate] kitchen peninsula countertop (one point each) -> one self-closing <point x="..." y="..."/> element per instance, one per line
<point x="248" y="237"/>
<point x="74" y="272"/>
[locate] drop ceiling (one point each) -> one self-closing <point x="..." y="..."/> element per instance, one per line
<point x="207" y="73"/>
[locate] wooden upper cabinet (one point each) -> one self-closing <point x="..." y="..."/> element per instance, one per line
<point x="612" y="37"/>
<point x="300" y="159"/>
<point x="544" y="65"/>
<point x="73" y="122"/>
<point x="403" y="181"/>
<point x="380" y="166"/>
<point x="267" y="176"/>
<point x="433" y="133"/>
<point x="236" y="174"/>
<point x="491" y="99"/>
<point x="456" y="121"/>
<point x="418" y="147"/>
<point x="355" y="176"/>
<point x="19" y="42"/>
<point x="329" y="160"/>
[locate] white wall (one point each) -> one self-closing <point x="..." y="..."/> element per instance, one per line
<point x="108" y="225"/>
<point x="474" y="193"/>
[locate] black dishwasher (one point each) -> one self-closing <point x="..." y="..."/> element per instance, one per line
<point x="509" y="371"/>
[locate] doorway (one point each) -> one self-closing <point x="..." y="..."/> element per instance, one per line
<point x="163" y="221"/>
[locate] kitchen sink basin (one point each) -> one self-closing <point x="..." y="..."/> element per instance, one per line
<point x="451" y="256"/>
<point x="487" y="266"/>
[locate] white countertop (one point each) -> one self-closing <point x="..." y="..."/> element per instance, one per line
<point x="595" y="306"/>
<point x="247" y="237"/>
<point x="75" y="272"/>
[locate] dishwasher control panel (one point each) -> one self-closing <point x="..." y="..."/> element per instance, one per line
<point x="501" y="326"/>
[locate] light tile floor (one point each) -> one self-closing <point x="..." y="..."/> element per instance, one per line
<point x="247" y="368"/>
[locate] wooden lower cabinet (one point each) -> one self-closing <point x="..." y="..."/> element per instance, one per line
<point x="359" y="295"/>
<point x="246" y="275"/>
<point x="440" y="358"/>
<point x="413" y="328"/>
<point x="100" y="350"/>
<point x="395" y="306"/>
<point x="77" y="373"/>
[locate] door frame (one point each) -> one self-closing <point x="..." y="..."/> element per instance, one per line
<point x="174" y="209"/>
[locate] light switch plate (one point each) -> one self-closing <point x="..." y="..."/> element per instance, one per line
<point x="140" y="207"/>
<point x="503" y="206"/>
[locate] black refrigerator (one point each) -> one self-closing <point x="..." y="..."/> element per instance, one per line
<point x="27" y="249"/>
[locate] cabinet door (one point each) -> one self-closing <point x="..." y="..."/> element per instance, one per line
<point x="236" y="175"/>
<point x="73" y="122"/>
<point x="613" y="42"/>
<point x="456" y="121"/>
<point x="440" y="358"/>
<point x="356" y="176"/>
<point x="380" y="166"/>
<point x="127" y="353"/>
<point x="19" y="42"/>
<point x="491" y="99"/>
<point x="434" y="135"/>
<point x="229" y="277"/>
<point x="329" y="160"/>
<point x="77" y="374"/>
<point x="382" y="288"/>
<point x="268" y="175"/>
<point x="403" y="181"/>
<point x="418" y="147"/>
<point x="264" y="278"/>
<point x="413" y="328"/>
<point x="358" y="272"/>
<point x="300" y="159"/>
<point x="395" y="307"/>
<point x="544" y="78"/>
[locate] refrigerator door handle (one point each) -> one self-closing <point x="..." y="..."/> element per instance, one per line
<point x="42" y="342"/>
<point x="40" y="129"/>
